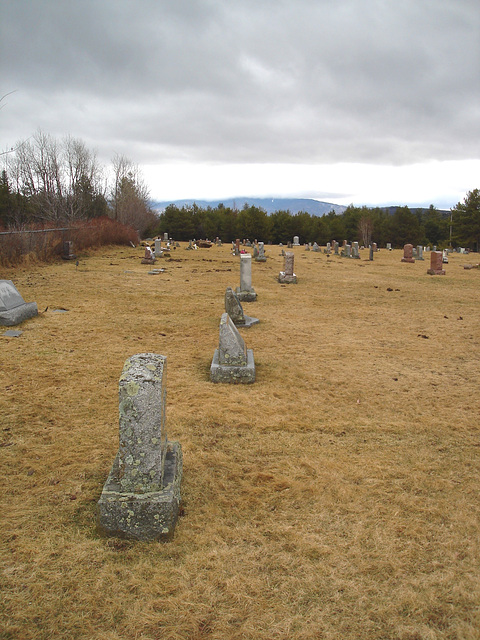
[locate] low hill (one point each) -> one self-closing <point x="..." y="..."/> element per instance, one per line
<point x="270" y="205"/>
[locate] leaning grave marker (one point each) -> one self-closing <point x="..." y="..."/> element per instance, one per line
<point x="141" y="497"/>
<point x="13" y="308"/>
<point x="234" y="308"/>
<point x="232" y="362"/>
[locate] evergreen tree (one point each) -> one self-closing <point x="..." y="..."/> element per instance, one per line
<point x="466" y="221"/>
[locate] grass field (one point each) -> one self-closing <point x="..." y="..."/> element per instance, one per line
<point x="336" y="498"/>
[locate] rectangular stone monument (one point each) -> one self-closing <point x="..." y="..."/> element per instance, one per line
<point x="158" y="248"/>
<point x="436" y="264"/>
<point x="261" y="253"/>
<point x="355" y="251"/>
<point x="419" y="255"/>
<point x="232" y="362"/>
<point x="165" y="236"/>
<point x="370" y="257"/>
<point x="389" y="246"/>
<point x="13" y="308"/>
<point x="141" y="497"/>
<point x="408" y="253"/>
<point x="315" y="247"/>
<point x="335" y="247"/>
<point x="374" y="246"/>
<point x="296" y="241"/>
<point x="287" y="276"/>
<point x="246" y="293"/>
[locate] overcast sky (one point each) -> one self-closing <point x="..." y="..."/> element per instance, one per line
<point x="363" y="101"/>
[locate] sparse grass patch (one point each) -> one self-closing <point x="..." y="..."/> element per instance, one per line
<point x="337" y="497"/>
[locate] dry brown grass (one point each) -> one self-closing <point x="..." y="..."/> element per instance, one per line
<point x="336" y="498"/>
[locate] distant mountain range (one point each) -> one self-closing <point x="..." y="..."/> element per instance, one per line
<point x="270" y="205"/>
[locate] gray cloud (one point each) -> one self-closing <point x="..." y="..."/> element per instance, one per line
<point x="302" y="81"/>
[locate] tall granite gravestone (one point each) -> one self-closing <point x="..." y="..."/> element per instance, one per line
<point x="158" y="248"/>
<point x="419" y="252"/>
<point x="370" y="256"/>
<point x="246" y="293"/>
<point x="234" y="308"/>
<point x="436" y="264"/>
<point x="261" y="253"/>
<point x="288" y="276"/>
<point x="335" y="247"/>
<point x="141" y="497"/>
<point x="408" y="253"/>
<point x="355" y="253"/>
<point x="13" y="308"/>
<point x="232" y="361"/>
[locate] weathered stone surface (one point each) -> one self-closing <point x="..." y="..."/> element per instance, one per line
<point x="141" y="497"/>
<point x="261" y="253"/>
<point x="296" y="241"/>
<point x="232" y="361"/>
<point x="408" y="253"/>
<point x="234" y="308"/>
<point x="419" y="255"/>
<point x="246" y="292"/>
<point x="67" y="250"/>
<point x="436" y="264"/>
<point x="287" y="276"/>
<point x="13" y="308"/>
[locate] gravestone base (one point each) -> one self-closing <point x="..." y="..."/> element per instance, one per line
<point x="17" y="315"/>
<point x="411" y="260"/>
<point x="142" y="516"/>
<point x="233" y="374"/>
<point x="283" y="278"/>
<point x="436" y="272"/>
<point x="148" y="260"/>
<point x="260" y="259"/>
<point x="249" y="322"/>
<point x="246" y="296"/>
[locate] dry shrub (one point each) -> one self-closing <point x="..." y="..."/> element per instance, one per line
<point x="31" y="244"/>
<point x="335" y="498"/>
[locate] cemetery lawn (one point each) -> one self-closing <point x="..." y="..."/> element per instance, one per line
<point x="336" y="498"/>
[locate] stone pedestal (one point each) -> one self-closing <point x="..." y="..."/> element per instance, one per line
<point x="141" y="497"/>
<point x="436" y="264"/>
<point x="408" y="253"/>
<point x="232" y="361"/>
<point x="13" y="308"/>
<point x="246" y="293"/>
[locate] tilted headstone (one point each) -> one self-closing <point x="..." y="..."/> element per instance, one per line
<point x="408" y="253"/>
<point x="13" y="308"/>
<point x="436" y="264"/>
<point x="246" y="292"/>
<point x="287" y="276"/>
<point x="232" y="361"/>
<point x="141" y="497"/>
<point x="234" y="308"/>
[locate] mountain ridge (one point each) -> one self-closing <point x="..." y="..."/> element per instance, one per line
<point x="270" y="205"/>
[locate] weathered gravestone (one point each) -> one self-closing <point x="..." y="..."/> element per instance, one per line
<point x="148" y="258"/>
<point x="370" y="257"/>
<point x="158" y="248"/>
<point x="436" y="264"/>
<point x="13" y="308"/>
<point x="315" y="247"/>
<point x="355" y="252"/>
<point x="165" y="236"/>
<point x="419" y="255"/>
<point x="328" y="249"/>
<point x="141" y="497"/>
<point x="296" y="241"/>
<point x="232" y="361"/>
<point x="287" y="276"/>
<point x="234" y="308"/>
<point x="67" y="250"/>
<point x="335" y="247"/>
<point x="261" y="253"/>
<point x="408" y="253"/>
<point x="246" y="293"/>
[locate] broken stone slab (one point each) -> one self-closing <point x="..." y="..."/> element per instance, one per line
<point x="141" y="497"/>
<point x="12" y="333"/>
<point x="287" y="276"/>
<point x="234" y="308"/>
<point x="232" y="362"/>
<point x="13" y="308"/>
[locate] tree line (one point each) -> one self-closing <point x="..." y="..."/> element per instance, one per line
<point x="398" y="225"/>
<point x="50" y="181"/>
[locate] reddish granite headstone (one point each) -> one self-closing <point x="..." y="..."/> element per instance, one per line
<point x="408" y="253"/>
<point x="436" y="264"/>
